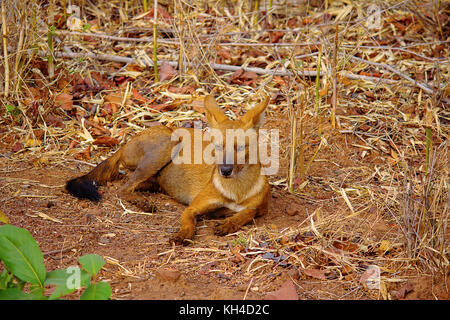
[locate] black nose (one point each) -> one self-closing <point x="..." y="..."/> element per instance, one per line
<point x="225" y="170"/>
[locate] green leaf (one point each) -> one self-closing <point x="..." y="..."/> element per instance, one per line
<point x="92" y="263"/>
<point x="97" y="291"/>
<point x="21" y="255"/>
<point x="16" y="294"/>
<point x="13" y="294"/>
<point x="5" y="279"/>
<point x="67" y="281"/>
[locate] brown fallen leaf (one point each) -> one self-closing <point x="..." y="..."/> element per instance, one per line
<point x="83" y="155"/>
<point x="106" y="141"/>
<point x="17" y="147"/>
<point x="275" y="36"/>
<point x="166" y="71"/>
<point x="242" y="76"/>
<point x="64" y="101"/>
<point x="345" y="245"/>
<point x="224" y="54"/>
<point x="138" y="97"/>
<point x="169" y="274"/>
<point x="161" y="14"/>
<point x="73" y="144"/>
<point x="54" y="121"/>
<point x="315" y="273"/>
<point x="286" y="292"/>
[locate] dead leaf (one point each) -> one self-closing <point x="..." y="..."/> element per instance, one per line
<point x="3" y="217"/>
<point x="17" y="147"/>
<point x="286" y="292"/>
<point x="106" y="141"/>
<point x="83" y="155"/>
<point x="166" y="71"/>
<point x="161" y="13"/>
<point x="346" y="270"/>
<point x="315" y="273"/>
<point x="30" y="143"/>
<point x="284" y="240"/>
<point x="54" y="121"/>
<point x="138" y="97"/>
<point x="371" y="74"/>
<point x="344" y="80"/>
<point x="345" y="245"/>
<point x="169" y="274"/>
<point x="73" y="144"/>
<point x="275" y="36"/>
<point x="65" y="101"/>
<point x="224" y="54"/>
<point x="242" y="76"/>
<point x="385" y="245"/>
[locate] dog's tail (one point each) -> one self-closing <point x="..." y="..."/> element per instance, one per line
<point x="85" y="187"/>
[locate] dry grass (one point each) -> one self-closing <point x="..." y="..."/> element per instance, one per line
<point x="371" y="162"/>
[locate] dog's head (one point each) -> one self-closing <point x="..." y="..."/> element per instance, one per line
<point x="235" y="141"/>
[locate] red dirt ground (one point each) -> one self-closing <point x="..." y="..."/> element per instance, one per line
<point x="136" y="246"/>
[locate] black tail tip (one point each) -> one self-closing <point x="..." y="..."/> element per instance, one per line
<point x="83" y="188"/>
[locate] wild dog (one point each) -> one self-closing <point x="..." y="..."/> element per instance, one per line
<point x="154" y="156"/>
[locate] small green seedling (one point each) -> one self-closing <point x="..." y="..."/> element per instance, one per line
<point x="24" y="276"/>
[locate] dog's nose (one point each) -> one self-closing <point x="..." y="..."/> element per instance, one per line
<point x="225" y="170"/>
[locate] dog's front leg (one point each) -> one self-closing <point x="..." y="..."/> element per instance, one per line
<point x="235" y="222"/>
<point x="255" y="206"/>
<point x="202" y="203"/>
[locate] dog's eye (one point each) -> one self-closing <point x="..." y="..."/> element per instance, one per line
<point x="241" y="147"/>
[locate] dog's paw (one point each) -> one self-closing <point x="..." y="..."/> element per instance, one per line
<point x="225" y="227"/>
<point x="183" y="237"/>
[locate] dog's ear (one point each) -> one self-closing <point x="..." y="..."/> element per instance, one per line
<point x="254" y="118"/>
<point x="213" y="113"/>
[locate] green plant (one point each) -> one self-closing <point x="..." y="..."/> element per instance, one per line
<point x="25" y="277"/>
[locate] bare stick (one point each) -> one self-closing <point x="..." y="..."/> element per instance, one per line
<point x="5" y="49"/>
<point x="293" y="119"/>
<point x="155" y="40"/>
<point x="334" y="96"/>
<point x="19" y="53"/>
<point x="319" y="61"/>
<point x="393" y="70"/>
<point x="51" y="28"/>
<point x="225" y="67"/>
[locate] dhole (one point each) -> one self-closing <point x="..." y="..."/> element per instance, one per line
<point x="204" y="187"/>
